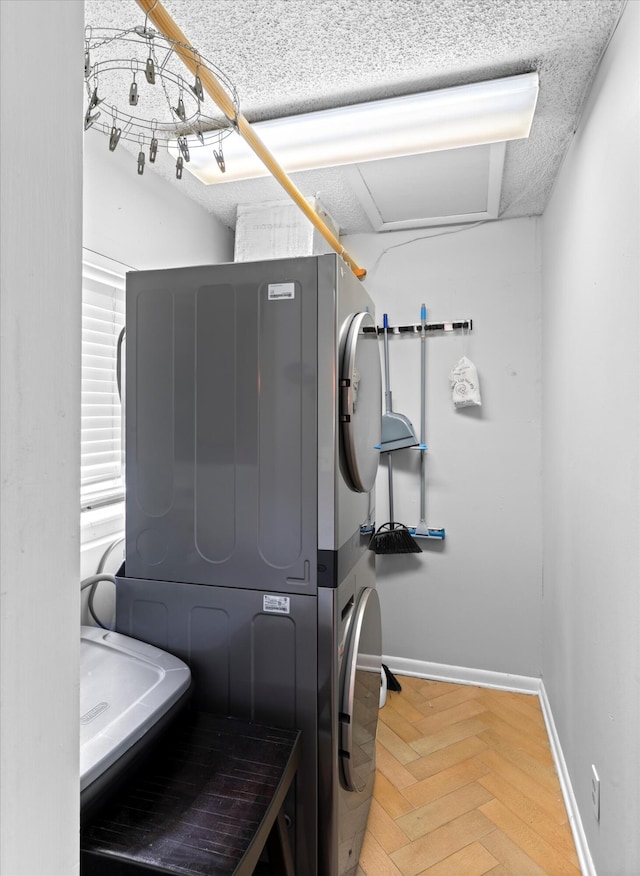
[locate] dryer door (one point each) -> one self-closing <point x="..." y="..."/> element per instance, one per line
<point x="360" y="696"/>
<point x="360" y="404"/>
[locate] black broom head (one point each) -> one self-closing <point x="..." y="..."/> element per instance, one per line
<point x="394" y="538"/>
<point x="392" y="681"/>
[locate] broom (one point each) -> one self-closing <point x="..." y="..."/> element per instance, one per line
<point x="391" y="537"/>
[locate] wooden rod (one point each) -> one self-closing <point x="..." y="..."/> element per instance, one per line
<point x="155" y="11"/>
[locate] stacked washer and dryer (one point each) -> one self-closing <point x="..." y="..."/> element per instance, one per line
<point x="253" y="410"/>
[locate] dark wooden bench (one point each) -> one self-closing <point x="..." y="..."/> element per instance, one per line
<point x="206" y="804"/>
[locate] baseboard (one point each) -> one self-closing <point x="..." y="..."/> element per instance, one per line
<point x="579" y="837"/>
<point x="462" y="675"/>
<point x="516" y="684"/>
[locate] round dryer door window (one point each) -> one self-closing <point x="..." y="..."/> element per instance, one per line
<point x="361" y="693"/>
<point x="360" y="404"/>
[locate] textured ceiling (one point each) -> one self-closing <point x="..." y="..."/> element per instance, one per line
<point x="292" y="56"/>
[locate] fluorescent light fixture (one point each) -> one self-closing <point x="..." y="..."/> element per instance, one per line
<point x="467" y="115"/>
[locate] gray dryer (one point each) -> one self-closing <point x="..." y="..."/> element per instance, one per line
<point x="253" y="406"/>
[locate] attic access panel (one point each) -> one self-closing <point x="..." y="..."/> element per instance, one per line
<point x="436" y="188"/>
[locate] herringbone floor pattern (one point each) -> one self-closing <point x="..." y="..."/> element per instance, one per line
<point x="465" y="785"/>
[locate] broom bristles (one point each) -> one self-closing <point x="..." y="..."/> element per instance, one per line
<point x="392" y="681"/>
<point x="394" y="538"/>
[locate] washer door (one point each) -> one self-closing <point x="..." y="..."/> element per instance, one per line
<point x="360" y="700"/>
<point x="360" y="404"/>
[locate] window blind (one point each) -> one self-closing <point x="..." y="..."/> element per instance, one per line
<point x="102" y="470"/>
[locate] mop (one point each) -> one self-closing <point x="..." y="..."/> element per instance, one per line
<point x="397" y="432"/>
<point x="422" y="530"/>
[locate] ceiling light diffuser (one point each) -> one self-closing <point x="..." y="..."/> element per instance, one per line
<point x="467" y="115"/>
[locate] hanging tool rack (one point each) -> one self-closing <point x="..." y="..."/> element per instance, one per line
<point x="419" y="328"/>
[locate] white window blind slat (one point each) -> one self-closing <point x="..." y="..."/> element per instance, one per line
<point x="98" y="447"/>
<point x="101" y="302"/>
<point x="95" y="372"/>
<point x="101" y="462"/>
<point x="101" y="271"/>
<point x="102" y="423"/>
<point x="95" y="322"/>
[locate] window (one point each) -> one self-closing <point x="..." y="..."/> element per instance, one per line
<point x="102" y="472"/>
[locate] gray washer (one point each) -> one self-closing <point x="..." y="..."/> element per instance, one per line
<point x="349" y="655"/>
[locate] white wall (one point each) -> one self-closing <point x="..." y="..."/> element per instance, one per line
<point x="143" y="221"/>
<point x="473" y="600"/>
<point x="591" y="618"/>
<point x="40" y="236"/>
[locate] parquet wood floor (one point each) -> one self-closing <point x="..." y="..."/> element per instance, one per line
<point x="465" y="785"/>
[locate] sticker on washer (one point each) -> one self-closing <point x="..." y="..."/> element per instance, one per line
<point x="277" y="604"/>
<point x="280" y="291"/>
